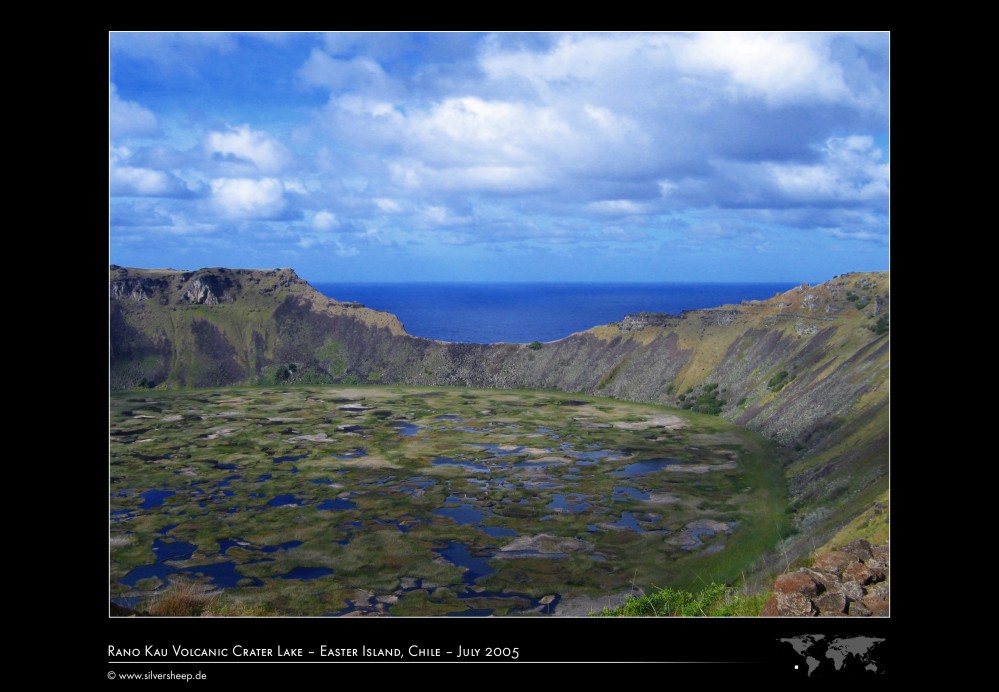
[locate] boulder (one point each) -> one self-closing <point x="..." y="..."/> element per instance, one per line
<point x="796" y="582"/>
<point x="831" y="603"/>
<point x="851" y="590"/>
<point x="859" y="548"/>
<point x="857" y="609"/>
<point x="877" y="605"/>
<point x="834" y="562"/>
<point x="794" y="605"/>
<point x="880" y="552"/>
<point x="879" y="590"/>
<point x="858" y="572"/>
<point x="825" y="579"/>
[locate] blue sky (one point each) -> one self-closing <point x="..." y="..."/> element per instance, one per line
<point x="501" y="157"/>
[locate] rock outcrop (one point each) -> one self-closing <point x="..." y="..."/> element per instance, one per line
<point x="850" y="581"/>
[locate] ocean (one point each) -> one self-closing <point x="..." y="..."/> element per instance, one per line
<point x="524" y="312"/>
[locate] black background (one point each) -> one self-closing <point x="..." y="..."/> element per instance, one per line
<point x="723" y="648"/>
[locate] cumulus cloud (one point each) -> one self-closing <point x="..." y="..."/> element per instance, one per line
<point x="851" y="171"/>
<point x="779" y="67"/>
<point x="242" y="145"/>
<point x="325" y="221"/>
<point x="128" y="118"/>
<point x="246" y="198"/>
<point x="125" y="179"/>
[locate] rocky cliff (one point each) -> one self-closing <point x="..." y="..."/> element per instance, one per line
<point x="808" y="368"/>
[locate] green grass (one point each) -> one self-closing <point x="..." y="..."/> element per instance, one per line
<point x="714" y="600"/>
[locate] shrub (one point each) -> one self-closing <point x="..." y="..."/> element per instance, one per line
<point x="183" y="600"/>
<point x="534" y="345"/>
<point x="881" y="326"/>
<point x="778" y="381"/>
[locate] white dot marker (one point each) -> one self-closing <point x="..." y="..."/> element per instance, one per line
<point x="796" y="667"/>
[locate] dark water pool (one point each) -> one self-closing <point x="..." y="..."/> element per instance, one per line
<point x="173" y="550"/>
<point x="158" y="570"/>
<point x="629" y="521"/>
<point x="569" y="503"/>
<point x="307" y="573"/>
<point x="281" y="460"/>
<point x="222" y="574"/>
<point x="406" y="429"/>
<point x="154" y="498"/>
<point x="467" y="465"/>
<point x="495" y="449"/>
<point x="624" y="492"/>
<point x="463" y="514"/>
<point x="477" y="567"/>
<point x="498" y="531"/>
<point x="283" y="500"/>
<point x="335" y="505"/>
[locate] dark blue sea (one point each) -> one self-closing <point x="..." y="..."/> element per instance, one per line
<point x="524" y="312"/>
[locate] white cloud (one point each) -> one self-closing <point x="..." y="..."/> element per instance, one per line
<point x="781" y="67"/>
<point x="245" y="198"/>
<point x="325" y="221"/>
<point x="145" y="182"/>
<point x="387" y="206"/>
<point x="128" y="118"/>
<point x="617" y="207"/>
<point x="666" y="187"/>
<point x="248" y="146"/>
<point x="320" y="69"/>
<point x="137" y="181"/>
<point x="441" y="217"/>
<point x="852" y="171"/>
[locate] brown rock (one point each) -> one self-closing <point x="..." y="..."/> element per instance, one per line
<point x="834" y="562"/>
<point x="857" y="609"/>
<point x="545" y="600"/>
<point x="831" y="603"/>
<point x="770" y="608"/>
<point x="874" y="563"/>
<point x="859" y="548"/>
<point x="796" y="582"/>
<point x="880" y="552"/>
<point x="852" y="590"/>
<point x="858" y="572"/>
<point x="877" y="605"/>
<point x="794" y="605"/>
<point x="879" y="590"/>
<point x="824" y="579"/>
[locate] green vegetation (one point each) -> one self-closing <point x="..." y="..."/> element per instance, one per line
<point x="777" y="382"/>
<point x="706" y="402"/>
<point x="535" y="345"/>
<point x="881" y="326"/>
<point x="363" y="489"/>
<point x="713" y="600"/>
